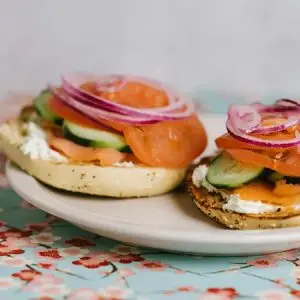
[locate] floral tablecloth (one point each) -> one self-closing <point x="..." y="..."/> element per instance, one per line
<point x="45" y="258"/>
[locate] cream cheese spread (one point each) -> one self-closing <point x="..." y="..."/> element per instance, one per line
<point x="124" y="164"/>
<point x="35" y="145"/>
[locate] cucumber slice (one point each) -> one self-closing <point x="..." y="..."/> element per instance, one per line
<point x="90" y="137"/>
<point x="43" y="110"/>
<point x="226" y="172"/>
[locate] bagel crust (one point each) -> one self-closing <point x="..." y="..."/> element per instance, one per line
<point x="211" y="205"/>
<point x="118" y="182"/>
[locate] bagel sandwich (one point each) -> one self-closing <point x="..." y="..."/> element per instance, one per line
<point x="58" y="140"/>
<point x="253" y="182"/>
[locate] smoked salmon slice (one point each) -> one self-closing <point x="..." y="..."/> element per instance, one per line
<point x="227" y="141"/>
<point x="169" y="144"/>
<point x="285" y="189"/>
<point x="287" y="163"/>
<point x="265" y="193"/>
<point x="133" y="94"/>
<point x="106" y="156"/>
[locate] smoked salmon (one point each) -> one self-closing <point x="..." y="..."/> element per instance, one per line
<point x="105" y="156"/>
<point x="169" y="144"/>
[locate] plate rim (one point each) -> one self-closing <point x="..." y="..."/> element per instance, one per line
<point x="226" y="236"/>
<point x="220" y="236"/>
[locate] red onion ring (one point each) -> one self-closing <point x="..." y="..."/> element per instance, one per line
<point x="125" y="110"/>
<point x="291" y="121"/>
<point x="97" y="114"/>
<point x="245" y="118"/>
<point x="109" y="84"/>
<point x="72" y="82"/>
<point x="260" y="142"/>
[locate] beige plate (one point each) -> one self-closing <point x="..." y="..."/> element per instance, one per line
<point x="169" y="222"/>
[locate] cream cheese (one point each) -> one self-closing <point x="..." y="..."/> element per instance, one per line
<point x="233" y="202"/>
<point x="35" y="145"/>
<point x="124" y="164"/>
<point x="199" y="179"/>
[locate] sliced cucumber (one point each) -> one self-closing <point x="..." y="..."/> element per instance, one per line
<point x="226" y="172"/>
<point x="93" y="138"/>
<point x="41" y="105"/>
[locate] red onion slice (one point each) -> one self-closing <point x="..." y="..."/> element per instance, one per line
<point x="261" y="142"/>
<point x="244" y="117"/>
<point x="291" y="121"/>
<point x="113" y="83"/>
<point x="98" y="114"/>
<point x="125" y="110"/>
<point x="72" y="82"/>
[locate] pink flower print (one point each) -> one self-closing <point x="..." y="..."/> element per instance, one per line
<point x="46" y="265"/>
<point x="220" y="294"/>
<point x="105" y="255"/>
<point x="127" y="259"/>
<point x="152" y="265"/>
<point x="2" y="224"/>
<point x="18" y="243"/>
<point x="4" y="250"/>
<point x="296" y="294"/>
<point x="73" y="251"/>
<point x="83" y="294"/>
<point x="80" y="242"/>
<point x="45" y="238"/>
<point x="46" y="280"/>
<point x="273" y="295"/>
<point x="264" y="262"/>
<point x="48" y="290"/>
<point x="26" y="275"/>
<point x="52" y="254"/>
<point x="41" y="226"/>
<point x="185" y="289"/>
<point x="12" y="232"/>
<point x="26" y="205"/>
<point x="91" y="262"/>
<point x="125" y="250"/>
<point x="7" y="282"/>
<point x="14" y="261"/>
<point x="126" y="272"/>
<point x="114" y="293"/>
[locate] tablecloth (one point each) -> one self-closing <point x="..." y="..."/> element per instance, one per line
<point x="45" y="258"/>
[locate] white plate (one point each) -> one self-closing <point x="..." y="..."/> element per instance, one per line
<point x="169" y="222"/>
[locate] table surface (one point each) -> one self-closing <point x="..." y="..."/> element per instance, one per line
<point x="45" y="258"/>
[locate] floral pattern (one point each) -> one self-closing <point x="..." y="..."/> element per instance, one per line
<point x="45" y="258"/>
